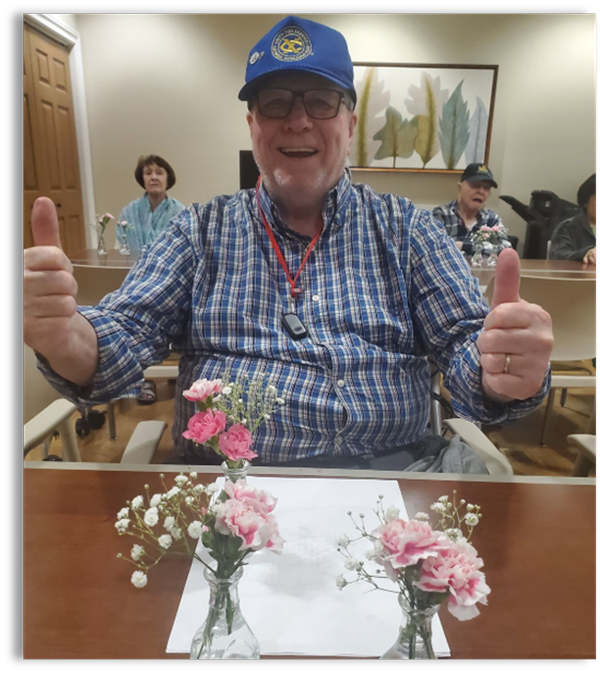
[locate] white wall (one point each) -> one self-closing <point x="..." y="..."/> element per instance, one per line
<point x="167" y="84"/>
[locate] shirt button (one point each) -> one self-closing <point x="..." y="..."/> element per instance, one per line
<point x="341" y="383"/>
<point x="316" y="297"/>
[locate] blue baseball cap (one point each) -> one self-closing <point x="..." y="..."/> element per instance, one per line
<point x="302" y="45"/>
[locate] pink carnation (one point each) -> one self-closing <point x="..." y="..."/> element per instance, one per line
<point x="204" y="425"/>
<point x="260" y="501"/>
<point x="235" y="443"/>
<point x="110" y="217"/>
<point x="202" y="389"/>
<point x="233" y="517"/>
<point x="456" y="568"/>
<point x="406" y="542"/>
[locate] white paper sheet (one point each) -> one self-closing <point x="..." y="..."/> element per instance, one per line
<point x="291" y="601"/>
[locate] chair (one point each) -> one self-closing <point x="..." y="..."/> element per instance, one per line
<point x="586" y="457"/>
<point x="571" y="304"/>
<point x="57" y="417"/>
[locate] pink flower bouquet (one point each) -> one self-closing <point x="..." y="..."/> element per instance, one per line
<point x="231" y="524"/>
<point x="228" y="414"/>
<point x="428" y="564"/>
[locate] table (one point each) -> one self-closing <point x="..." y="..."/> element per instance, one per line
<point x="112" y="260"/>
<point x="552" y="268"/>
<point x="537" y="539"/>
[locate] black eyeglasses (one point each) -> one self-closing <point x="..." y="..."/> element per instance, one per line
<point x="318" y="103"/>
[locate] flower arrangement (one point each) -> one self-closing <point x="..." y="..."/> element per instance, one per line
<point x="122" y="227"/>
<point x="228" y="413"/>
<point x="427" y="564"/>
<point x="231" y="524"/>
<point x="492" y="235"/>
<point x="99" y="224"/>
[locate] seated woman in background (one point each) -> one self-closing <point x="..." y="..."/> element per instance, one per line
<point x="467" y="213"/>
<point x="147" y="216"/>
<point x="575" y="239"/>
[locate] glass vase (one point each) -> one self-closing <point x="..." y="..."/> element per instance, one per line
<point x="238" y="472"/>
<point x="493" y="258"/>
<point x="225" y="633"/>
<point x="477" y="259"/>
<point x="124" y="245"/>
<point x="415" y="637"/>
<point x="101" y="248"/>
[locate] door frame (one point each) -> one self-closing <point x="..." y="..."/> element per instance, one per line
<point x="69" y="38"/>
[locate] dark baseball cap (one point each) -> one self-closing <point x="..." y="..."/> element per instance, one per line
<point x="300" y="45"/>
<point x="477" y="172"/>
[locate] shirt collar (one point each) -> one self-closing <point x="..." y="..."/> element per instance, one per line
<point x="335" y="205"/>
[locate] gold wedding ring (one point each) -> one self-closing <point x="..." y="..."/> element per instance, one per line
<point x="506" y="363"/>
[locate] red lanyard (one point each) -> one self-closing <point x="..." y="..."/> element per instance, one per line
<point x="295" y="291"/>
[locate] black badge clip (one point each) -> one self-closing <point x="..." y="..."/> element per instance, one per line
<point x="294" y="326"/>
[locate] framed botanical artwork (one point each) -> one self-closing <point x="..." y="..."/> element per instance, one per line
<point x="422" y="117"/>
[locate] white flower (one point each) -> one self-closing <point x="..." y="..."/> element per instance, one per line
<point x="244" y="421"/>
<point x="137" y="502"/>
<point x="165" y="541"/>
<point x="121" y="525"/>
<point x="137" y="551"/>
<point x="181" y="479"/>
<point x="341" y="582"/>
<point x="151" y="517"/>
<point x="370" y="554"/>
<point x="438" y="507"/>
<point x="211" y="488"/>
<point x="198" y="488"/>
<point x="139" y="579"/>
<point x="169" y="523"/>
<point x="193" y="475"/>
<point x="471" y="519"/>
<point x="123" y="513"/>
<point x="155" y="500"/>
<point x="176" y="533"/>
<point x="271" y="388"/>
<point x="280" y="400"/>
<point x="189" y="501"/>
<point x="267" y="417"/>
<point x="343" y="541"/>
<point x="453" y="533"/>
<point x="195" y="529"/>
<point x="352" y="564"/>
<point x="443" y="498"/>
<point x="470" y="508"/>
<point x="227" y="390"/>
<point x="421" y="516"/>
<point x="391" y="513"/>
<point x="241" y="401"/>
<point x="173" y="491"/>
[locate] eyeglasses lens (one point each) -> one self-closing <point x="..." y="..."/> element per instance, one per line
<point x="318" y="103"/>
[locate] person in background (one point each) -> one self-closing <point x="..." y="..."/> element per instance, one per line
<point x="336" y="293"/>
<point x="467" y="213"/>
<point x="575" y="239"/>
<point x="146" y="218"/>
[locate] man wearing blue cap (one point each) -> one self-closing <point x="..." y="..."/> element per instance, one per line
<point x="337" y="293"/>
<point x="464" y="216"/>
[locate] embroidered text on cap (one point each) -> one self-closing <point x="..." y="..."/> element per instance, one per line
<point x="291" y="44"/>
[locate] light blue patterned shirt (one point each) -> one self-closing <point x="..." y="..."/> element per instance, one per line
<point x="381" y="290"/>
<point x="145" y="224"/>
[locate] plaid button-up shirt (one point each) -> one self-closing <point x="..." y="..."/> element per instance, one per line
<point x="381" y="290"/>
<point x="449" y="216"/>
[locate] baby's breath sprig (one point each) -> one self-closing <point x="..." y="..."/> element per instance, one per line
<point x="451" y="519"/>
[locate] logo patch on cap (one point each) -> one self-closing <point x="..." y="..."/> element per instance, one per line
<point x="291" y="44"/>
<point x="483" y="169"/>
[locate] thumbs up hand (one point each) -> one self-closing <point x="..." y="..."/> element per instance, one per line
<point x="517" y="340"/>
<point x="49" y="288"/>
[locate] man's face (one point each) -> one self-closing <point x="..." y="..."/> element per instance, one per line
<point x="298" y="155"/>
<point x="473" y="195"/>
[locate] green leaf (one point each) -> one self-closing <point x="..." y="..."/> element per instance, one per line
<point x="478" y="126"/>
<point x="454" y="128"/>
<point x="426" y="143"/>
<point x="361" y="123"/>
<point x="397" y="136"/>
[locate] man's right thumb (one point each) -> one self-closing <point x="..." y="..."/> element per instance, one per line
<point x="44" y="223"/>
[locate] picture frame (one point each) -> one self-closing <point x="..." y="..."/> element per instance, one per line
<point x="422" y="118"/>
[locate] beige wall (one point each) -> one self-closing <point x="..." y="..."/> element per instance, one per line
<point x="168" y="84"/>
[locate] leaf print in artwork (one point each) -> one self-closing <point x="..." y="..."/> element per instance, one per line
<point x="397" y="136"/>
<point x="478" y="126"/>
<point x="372" y="101"/>
<point x="454" y="128"/>
<point x="427" y="102"/>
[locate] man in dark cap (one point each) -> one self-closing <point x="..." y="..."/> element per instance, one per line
<point x="464" y="216"/>
<point x="335" y="292"/>
<point x="575" y="238"/>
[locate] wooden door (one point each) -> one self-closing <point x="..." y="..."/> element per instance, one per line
<point x="51" y="166"/>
